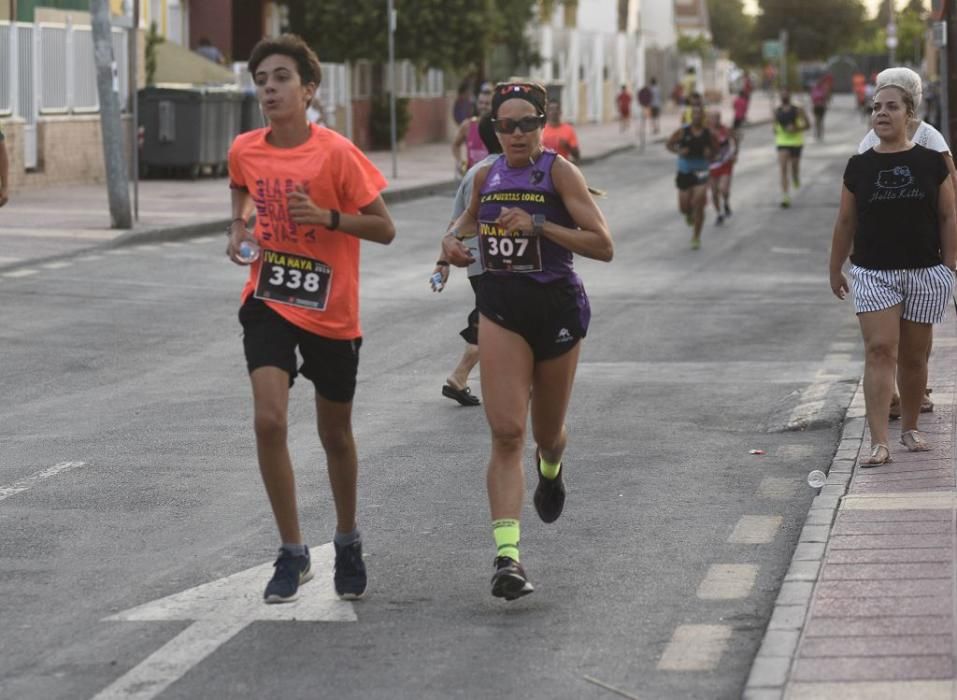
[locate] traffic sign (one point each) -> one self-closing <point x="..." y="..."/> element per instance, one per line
<point x="771" y="50"/>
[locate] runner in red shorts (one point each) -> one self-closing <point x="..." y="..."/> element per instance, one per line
<point x="722" y="166"/>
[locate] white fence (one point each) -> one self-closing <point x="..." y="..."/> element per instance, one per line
<point x="49" y="69"/>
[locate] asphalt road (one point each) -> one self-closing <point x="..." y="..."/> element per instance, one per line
<point x="654" y="582"/>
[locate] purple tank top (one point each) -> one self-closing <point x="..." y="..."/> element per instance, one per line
<point x="529" y="188"/>
<point x="476" y="150"/>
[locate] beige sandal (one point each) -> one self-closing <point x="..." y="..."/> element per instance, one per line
<point x="877" y="458"/>
<point x="914" y="441"/>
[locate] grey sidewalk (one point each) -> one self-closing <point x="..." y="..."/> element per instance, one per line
<point x="866" y="610"/>
<point x="41" y="225"/>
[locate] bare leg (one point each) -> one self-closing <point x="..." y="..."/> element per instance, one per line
<point x="783" y="158"/>
<point x="507" y="367"/>
<point x="881" y="331"/>
<point x="334" y="420"/>
<point x="699" y="202"/>
<point x="459" y="379"/>
<point x="913" y="350"/>
<point x="551" y="392"/>
<point x="270" y="408"/>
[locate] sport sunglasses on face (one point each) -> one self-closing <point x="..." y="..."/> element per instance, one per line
<point x="526" y="124"/>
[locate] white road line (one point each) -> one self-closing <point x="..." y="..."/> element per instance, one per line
<point x="56" y="265"/>
<point x="728" y="582"/>
<point x="221" y="609"/>
<point x="34" y="479"/>
<point x="810" y="402"/>
<point x="695" y="648"/>
<point x="146" y="246"/>
<point x="87" y="258"/>
<point x="25" y="272"/>
<point x="119" y="251"/>
<point x="755" y="529"/>
<point x="207" y="239"/>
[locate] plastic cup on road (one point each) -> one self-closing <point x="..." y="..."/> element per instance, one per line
<point x="816" y="479"/>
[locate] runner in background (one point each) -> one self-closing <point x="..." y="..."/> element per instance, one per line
<point x="695" y="147"/>
<point x="645" y="99"/>
<point x="456" y="386"/>
<point x="740" y="106"/>
<point x="790" y="123"/>
<point x="819" y="99"/>
<point x="560" y="136"/>
<point x="655" y="106"/>
<point x="722" y="166"/>
<point x="469" y="136"/>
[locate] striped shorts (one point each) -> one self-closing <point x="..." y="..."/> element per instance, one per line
<point x="923" y="291"/>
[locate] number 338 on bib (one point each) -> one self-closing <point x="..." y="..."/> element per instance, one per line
<point x="294" y="279"/>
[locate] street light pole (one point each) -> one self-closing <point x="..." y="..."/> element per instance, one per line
<point x="392" y="85"/>
<point x="891" y="35"/>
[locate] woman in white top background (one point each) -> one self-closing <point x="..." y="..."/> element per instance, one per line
<point x="921" y="133"/>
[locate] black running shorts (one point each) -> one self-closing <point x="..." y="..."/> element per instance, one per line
<point x="795" y="151"/>
<point x="271" y="341"/>
<point x="552" y="318"/>
<point x="685" y="181"/>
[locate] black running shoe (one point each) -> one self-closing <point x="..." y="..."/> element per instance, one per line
<point x="291" y="572"/>
<point x="509" y="580"/>
<point x="727" y="212"/>
<point x="549" y="494"/>
<point x="350" y="577"/>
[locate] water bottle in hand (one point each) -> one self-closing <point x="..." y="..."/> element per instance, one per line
<point x="248" y="251"/>
<point x="436" y="280"/>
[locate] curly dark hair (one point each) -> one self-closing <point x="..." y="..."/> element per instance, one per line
<point x="292" y="45"/>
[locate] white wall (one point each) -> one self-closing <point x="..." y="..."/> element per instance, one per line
<point x="598" y="16"/>
<point x="658" y="23"/>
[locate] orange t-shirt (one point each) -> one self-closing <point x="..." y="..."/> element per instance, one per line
<point x="552" y="136"/>
<point x="336" y="175"/>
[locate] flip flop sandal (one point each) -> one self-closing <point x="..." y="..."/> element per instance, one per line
<point x="914" y="441"/>
<point x="463" y="396"/>
<point x="876" y="459"/>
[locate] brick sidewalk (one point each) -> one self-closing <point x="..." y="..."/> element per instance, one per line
<point x="867" y="608"/>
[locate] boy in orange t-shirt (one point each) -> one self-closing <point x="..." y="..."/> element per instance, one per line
<point x="315" y="196"/>
<point x="558" y="136"/>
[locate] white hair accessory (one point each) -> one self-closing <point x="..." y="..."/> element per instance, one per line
<point x="903" y="78"/>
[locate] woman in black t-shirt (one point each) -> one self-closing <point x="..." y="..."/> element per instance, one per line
<point x="897" y="215"/>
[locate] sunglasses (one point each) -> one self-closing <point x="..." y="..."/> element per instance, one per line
<point x="526" y="125"/>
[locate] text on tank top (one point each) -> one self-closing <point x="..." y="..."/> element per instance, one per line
<point x="531" y="189"/>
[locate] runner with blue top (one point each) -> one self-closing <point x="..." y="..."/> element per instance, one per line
<point x="532" y="212"/>
<point x="696" y="146"/>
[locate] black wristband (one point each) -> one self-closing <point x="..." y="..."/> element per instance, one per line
<point x="442" y="263"/>
<point x="333" y="220"/>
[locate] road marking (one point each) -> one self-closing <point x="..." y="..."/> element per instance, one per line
<point x="5" y="260"/>
<point x="610" y="688"/>
<point x="695" y="648"/>
<point x="25" y="272"/>
<point x="810" y="401"/>
<point x="56" y="265"/>
<point x="119" y="251"/>
<point x="146" y="246"/>
<point x="755" y="529"/>
<point x="207" y="239"/>
<point x="777" y="487"/>
<point x="219" y="610"/>
<point x="728" y="582"/>
<point x="34" y="479"/>
<point x="86" y="258"/>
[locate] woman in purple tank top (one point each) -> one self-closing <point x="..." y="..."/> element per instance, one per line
<point x="531" y="211"/>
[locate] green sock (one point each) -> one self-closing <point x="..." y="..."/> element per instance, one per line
<point x="548" y="470"/>
<point x="505" y="531"/>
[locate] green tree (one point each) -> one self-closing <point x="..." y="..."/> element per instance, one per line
<point x="911" y="26"/>
<point x="817" y="29"/>
<point x="731" y="29"/>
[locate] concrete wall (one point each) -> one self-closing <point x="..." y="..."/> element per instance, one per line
<point x="69" y="150"/>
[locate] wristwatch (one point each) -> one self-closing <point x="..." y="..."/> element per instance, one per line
<point x="538" y="224"/>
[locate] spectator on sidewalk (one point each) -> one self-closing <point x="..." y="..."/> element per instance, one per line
<point x="624" y="108"/>
<point x="210" y="52"/>
<point x="655" y="109"/>
<point x="560" y="136"/>
<point x="740" y="105"/>
<point x="4" y="171"/>
<point x="689" y="82"/>
<point x="897" y="215"/>
<point x="468" y="134"/>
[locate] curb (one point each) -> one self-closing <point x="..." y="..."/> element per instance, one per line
<point x="772" y="664"/>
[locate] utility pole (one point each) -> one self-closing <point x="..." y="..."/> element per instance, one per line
<point x="134" y="54"/>
<point x="111" y="128"/>
<point x="783" y="38"/>
<point x="392" y="87"/>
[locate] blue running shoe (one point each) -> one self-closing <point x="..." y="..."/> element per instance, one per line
<point x="350" y="577"/>
<point x="291" y="572"/>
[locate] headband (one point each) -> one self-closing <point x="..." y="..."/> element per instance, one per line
<point x="532" y="94"/>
